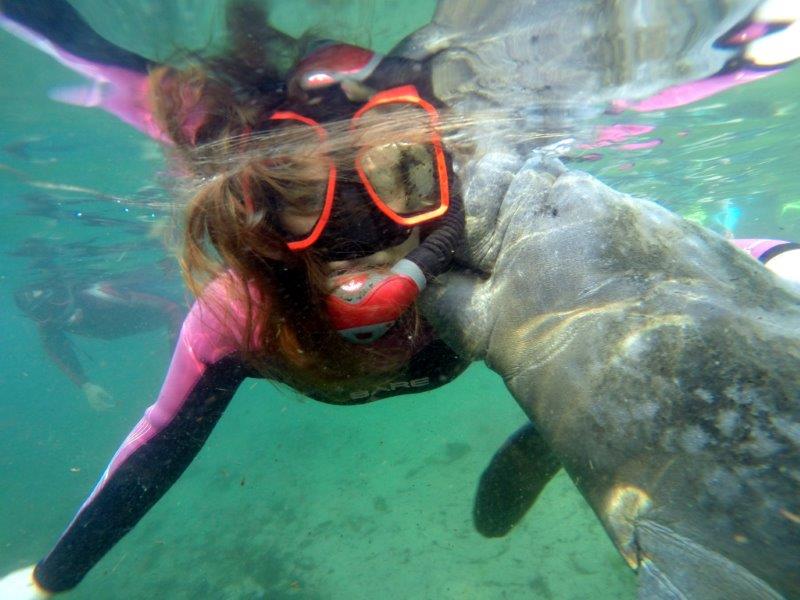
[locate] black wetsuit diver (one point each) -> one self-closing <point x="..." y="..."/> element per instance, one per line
<point x="106" y="309"/>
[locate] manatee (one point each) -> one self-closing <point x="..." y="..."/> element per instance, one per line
<point x="659" y="364"/>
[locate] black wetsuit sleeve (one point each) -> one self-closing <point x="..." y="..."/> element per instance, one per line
<point x="141" y="472"/>
<point x="434" y="255"/>
<point x="58" y="22"/>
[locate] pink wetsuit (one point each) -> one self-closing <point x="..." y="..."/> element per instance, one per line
<point x="763" y="250"/>
<point x="204" y="374"/>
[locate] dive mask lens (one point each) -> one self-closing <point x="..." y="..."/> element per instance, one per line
<point x="298" y="180"/>
<point x="400" y="162"/>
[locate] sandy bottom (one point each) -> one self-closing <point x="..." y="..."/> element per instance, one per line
<point x="293" y="499"/>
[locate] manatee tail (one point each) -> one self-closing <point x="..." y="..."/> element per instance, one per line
<point x="513" y="480"/>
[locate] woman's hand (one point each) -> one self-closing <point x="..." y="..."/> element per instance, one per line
<point x="20" y="585"/>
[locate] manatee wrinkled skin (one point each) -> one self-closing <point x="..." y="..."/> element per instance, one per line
<point x="660" y="364"/>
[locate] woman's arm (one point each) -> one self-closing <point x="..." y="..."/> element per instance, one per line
<point x="56" y="22"/>
<point x="202" y="378"/>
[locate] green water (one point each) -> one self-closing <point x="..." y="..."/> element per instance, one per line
<point x="736" y="151"/>
<point x="290" y="498"/>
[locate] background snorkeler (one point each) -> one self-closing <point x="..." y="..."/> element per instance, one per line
<point x="108" y="308"/>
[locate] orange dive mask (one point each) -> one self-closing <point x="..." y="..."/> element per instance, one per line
<point x="398" y="159"/>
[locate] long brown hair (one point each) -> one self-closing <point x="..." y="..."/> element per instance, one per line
<point x="287" y="334"/>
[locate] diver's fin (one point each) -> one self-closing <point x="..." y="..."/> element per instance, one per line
<point x="513" y="480"/>
<point x="672" y="566"/>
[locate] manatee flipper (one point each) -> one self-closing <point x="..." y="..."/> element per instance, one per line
<point x="653" y="585"/>
<point x="513" y="480"/>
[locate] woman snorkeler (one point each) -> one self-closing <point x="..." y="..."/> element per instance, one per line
<point x="322" y="203"/>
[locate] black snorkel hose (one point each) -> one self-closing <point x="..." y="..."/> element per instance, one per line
<point x="440" y="240"/>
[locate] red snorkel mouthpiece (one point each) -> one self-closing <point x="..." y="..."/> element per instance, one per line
<point x="365" y="305"/>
